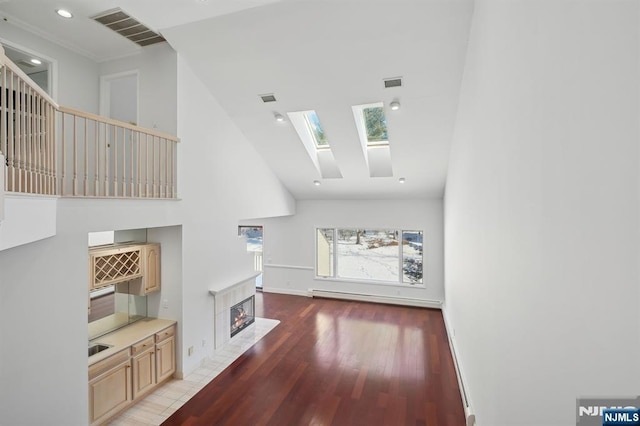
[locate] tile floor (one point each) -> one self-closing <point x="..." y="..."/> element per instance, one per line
<point x="160" y="404"/>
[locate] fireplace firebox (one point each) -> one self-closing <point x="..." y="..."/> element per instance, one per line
<point x="242" y="315"/>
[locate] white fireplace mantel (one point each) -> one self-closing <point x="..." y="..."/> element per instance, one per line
<point x="222" y="288"/>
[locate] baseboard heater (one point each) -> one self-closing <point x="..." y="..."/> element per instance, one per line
<point x="361" y="297"/>
<point x="468" y="411"/>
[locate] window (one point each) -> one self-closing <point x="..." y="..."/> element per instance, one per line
<point x="375" y="125"/>
<point x="385" y="255"/>
<point x="317" y="132"/>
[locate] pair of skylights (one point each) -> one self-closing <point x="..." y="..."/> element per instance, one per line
<point x="372" y="120"/>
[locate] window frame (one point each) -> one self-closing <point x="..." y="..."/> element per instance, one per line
<point x="310" y="129"/>
<point x="335" y="258"/>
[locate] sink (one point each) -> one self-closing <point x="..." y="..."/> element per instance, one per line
<point x="97" y="348"/>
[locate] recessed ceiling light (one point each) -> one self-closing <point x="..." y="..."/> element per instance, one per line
<point x="64" y="13"/>
<point x="279" y="117"/>
<point x="401" y="180"/>
<point x="316" y="182"/>
<point x="395" y="105"/>
<point x="36" y="61"/>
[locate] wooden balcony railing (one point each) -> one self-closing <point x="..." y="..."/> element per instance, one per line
<point x="108" y="158"/>
<point x="56" y="150"/>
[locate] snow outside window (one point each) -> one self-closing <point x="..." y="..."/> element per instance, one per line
<point x="385" y="255"/>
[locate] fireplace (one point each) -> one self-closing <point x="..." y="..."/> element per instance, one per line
<point x="242" y="315"/>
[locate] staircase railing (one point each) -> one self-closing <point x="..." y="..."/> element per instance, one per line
<point x="55" y="150"/>
<point x="27" y="128"/>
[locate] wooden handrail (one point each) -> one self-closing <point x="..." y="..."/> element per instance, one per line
<point x="4" y="60"/>
<point x="122" y="124"/>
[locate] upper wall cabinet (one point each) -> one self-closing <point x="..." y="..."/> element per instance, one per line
<point x="112" y="265"/>
<point x="138" y="264"/>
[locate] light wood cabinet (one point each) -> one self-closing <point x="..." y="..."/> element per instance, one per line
<point x="127" y="376"/>
<point x="165" y="354"/>
<point x="134" y="268"/>
<point x="151" y="268"/>
<point x="112" y="265"/>
<point x="109" y="387"/>
<point x="144" y="367"/>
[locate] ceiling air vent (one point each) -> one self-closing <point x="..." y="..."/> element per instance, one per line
<point x="268" y="98"/>
<point x="128" y="27"/>
<point x="392" y="82"/>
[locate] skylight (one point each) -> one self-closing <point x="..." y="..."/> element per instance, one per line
<point x="316" y="130"/>
<point x="375" y="125"/>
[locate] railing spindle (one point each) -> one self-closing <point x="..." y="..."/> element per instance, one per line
<point x="96" y="149"/>
<point x="39" y="145"/>
<point x="115" y="161"/>
<point x="51" y="137"/>
<point x="139" y="165"/>
<point x="20" y="136"/>
<point x="3" y="123"/>
<point x="174" y="189"/>
<point x="63" y="154"/>
<point x="153" y="164"/>
<point x="165" y="168"/>
<point x="11" y="140"/>
<point x="29" y="136"/>
<point x="106" y="161"/>
<point x="75" y="155"/>
<point x="131" y="187"/>
<point x="86" y="157"/>
<point x="124" y="162"/>
<point x="146" y="169"/>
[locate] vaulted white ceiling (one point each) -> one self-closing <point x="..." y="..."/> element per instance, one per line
<point x="313" y="55"/>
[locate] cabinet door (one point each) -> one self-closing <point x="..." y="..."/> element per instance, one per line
<point x="166" y="358"/>
<point x="151" y="274"/>
<point x="109" y="393"/>
<point x="144" y="372"/>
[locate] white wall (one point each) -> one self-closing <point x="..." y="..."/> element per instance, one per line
<point x="225" y="180"/>
<point x="289" y="244"/>
<point x="76" y="77"/>
<point x="157" y="93"/>
<point x="541" y="209"/>
<point x="26" y="218"/>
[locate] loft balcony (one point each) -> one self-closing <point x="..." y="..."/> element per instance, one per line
<point x="55" y="150"/>
<point x="49" y="151"/>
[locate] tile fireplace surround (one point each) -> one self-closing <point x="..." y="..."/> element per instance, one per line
<point x="225" y="296"/>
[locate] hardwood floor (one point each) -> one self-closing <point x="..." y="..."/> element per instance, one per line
<point x="335" y="362"/>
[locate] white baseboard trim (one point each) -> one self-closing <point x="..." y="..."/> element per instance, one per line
<point x="392" y="300"/>
<point x="289" y="291"/>
<point x="466" y="401"/>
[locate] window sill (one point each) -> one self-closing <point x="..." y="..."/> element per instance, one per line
<point x="381" y="283"/>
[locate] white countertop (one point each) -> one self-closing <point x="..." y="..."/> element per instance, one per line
<point x="128" y="335"/>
